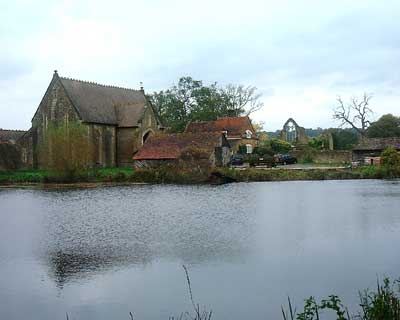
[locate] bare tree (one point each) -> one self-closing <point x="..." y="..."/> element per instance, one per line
<point x="354" y="114"/>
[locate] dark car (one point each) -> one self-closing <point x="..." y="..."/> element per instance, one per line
<point x="264" y="161"/>
<point x="284" y="159"/>
<point x="237" y="160"/>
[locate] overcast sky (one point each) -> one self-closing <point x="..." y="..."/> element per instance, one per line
<point x="299" y="54"/>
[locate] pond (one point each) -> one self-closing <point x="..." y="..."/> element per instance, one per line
<point x="101" y="253"/>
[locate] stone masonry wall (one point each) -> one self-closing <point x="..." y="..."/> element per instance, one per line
<point x="130" y="140"/>
<point x="325" y="156"/>
<point x="55" y="109"/>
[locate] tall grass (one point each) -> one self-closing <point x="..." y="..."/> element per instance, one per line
<point x="382" y="304"/>
<point x="197" y="314"/>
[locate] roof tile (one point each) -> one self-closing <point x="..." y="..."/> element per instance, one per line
<point x="170" y="146"/>
<point x="235" y="126"/>
<point x="105" y="104"/>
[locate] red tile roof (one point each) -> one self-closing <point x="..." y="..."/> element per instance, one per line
<point x="235" y="126"/>
<point x="170" y="146"/>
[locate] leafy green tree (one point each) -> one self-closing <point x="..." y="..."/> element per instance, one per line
<point x="191" y="100"/>
<point x="264" y="149"/>
<point x="280" y="146"/>
<point x="319" y="143"/>
<point x="272" y="146"/>
<point x="344" y="139"/>
<point x="390" y="161"/>
<point x="387" y="126"/>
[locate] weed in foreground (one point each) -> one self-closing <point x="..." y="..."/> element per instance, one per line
<point x="384" y="304"/>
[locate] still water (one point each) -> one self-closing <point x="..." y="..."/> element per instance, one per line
<point x="100" y="253"/>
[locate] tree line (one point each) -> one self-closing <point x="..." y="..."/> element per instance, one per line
<point x="191" y="100"/>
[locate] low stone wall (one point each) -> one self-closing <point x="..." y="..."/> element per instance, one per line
<point x="10" y="157"/>
<point x="324" y="156"/>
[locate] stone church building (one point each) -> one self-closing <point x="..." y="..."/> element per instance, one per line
<point x="118" y="120"/>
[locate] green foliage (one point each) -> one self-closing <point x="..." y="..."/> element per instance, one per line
<point x="307" y="155"/>
<point x="191" y="100"/>
<point x="307" y="159"/>
<point x="252" y="159"/>
<point x="387" y="126"/>
<point x="264" y="149"/>
<point x="319" y="143"/>
<point x="10" y="156"/>
<point x="371" y="172"/>
<point x="67" y="152"/>
<point x="344" y="139"/>
<point x="383" y="304"/>
<point x="280" y="146"/>
<point x="242" y="149"/>
<point x="390" y="161"/>
<point x="312" y="309"/>
<point x="22" y="176"/>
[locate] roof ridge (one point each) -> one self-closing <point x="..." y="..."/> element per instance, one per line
<point x="15" y="130"/>
<point x="99" y="84"/>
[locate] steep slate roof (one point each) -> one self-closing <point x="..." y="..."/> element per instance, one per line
<point x="10" y="135"/>
<point x="235" y="126"/>
<point x="105" y="104"/>
<point x="378" y="144"/>
<point x="170" y="146"/>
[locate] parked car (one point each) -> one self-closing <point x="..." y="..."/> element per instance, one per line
<point x="237" y="160"/>
<point x="264" y="160"/>
<point x="284" y="159"/>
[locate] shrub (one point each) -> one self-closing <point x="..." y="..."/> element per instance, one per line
<point x="375" y="305"/>
<point x="390" y="161"/>
<point x="252" y="159"/>
<point x="242" y="149"/>
<point x="67" y="152"/>
<point x="263" y="150"/>
<point x="280" y="146"/>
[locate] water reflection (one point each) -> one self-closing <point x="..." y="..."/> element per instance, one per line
<point x="112" y="233"/>
<point x="75" y="266"/>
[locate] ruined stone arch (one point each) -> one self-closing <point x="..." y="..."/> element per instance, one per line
<point x="147" y="134"/>
<point x="293" y="133"/>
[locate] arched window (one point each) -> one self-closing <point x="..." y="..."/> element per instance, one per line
<point x="248" y="134"/>
<point x="147" y="135"/>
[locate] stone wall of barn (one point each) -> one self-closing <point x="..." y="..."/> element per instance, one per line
<point x="127" y="143"/>
<point x="54" y="110"/>
<point x="130" y="140"/>
<point x="148" y="126"/>
<point x="103" y="139"/>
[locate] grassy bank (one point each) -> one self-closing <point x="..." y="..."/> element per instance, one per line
<point x="170" y="175"/>
<point x="106" y="175"/>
